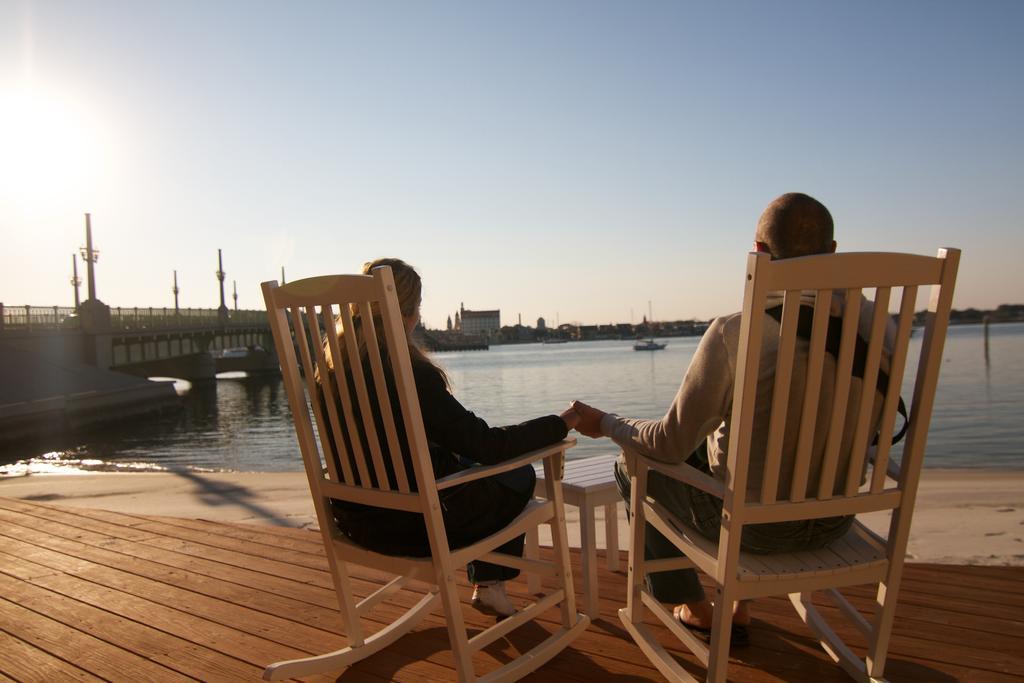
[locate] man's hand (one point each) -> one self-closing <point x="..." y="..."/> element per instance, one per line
<point x="589" y="419"/>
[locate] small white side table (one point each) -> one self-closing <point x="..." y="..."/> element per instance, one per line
<point x="587" y="483"/>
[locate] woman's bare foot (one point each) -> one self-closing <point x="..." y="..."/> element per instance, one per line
<point x="696" y="614"/>
<point x="699" y="614"/>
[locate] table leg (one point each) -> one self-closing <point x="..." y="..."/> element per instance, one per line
<point x="611" y="535"/>
<point x="588" y="543"/>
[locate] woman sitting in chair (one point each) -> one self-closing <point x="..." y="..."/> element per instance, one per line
<point x="458" y="439"/>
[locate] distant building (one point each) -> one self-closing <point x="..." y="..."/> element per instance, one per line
<point x="541" y="325"/>
<point x="487" y="323"/>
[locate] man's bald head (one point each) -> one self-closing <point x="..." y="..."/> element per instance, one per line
<point x="795" y="225"/>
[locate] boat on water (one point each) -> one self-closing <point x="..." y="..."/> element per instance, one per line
<point x="650" y="344"/>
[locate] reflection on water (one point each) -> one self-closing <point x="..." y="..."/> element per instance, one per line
<point x="244" y="423"/>
<point x="239" y="424"/>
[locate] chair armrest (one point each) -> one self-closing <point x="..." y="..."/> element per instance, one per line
<point x="556" y="449"/>
<point x="688" y="475"/>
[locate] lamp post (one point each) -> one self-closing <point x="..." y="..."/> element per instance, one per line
<point x="234" y="287"/>
<point x="222" y="312"/>
<point x="175" y="290"/>
<point x="90" y="256"/>
<point x="76" y="281"/>
<point x="94" y="315"/>
<point x="283" y="281"/>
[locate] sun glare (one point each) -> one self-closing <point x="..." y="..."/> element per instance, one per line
<point x="50" y="149"/>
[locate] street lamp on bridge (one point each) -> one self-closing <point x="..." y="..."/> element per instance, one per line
<point x="93" y="313"/>
<point x="76" y="281"/>
<point x="222" y="312"/>
<point x="90" y="256"/>
<point x="175" y="290"/>
<point x="234" y="287"/>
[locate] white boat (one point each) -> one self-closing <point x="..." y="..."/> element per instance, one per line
<point x="650" y="344"/>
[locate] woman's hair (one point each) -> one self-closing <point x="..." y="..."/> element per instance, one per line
<point x="409" y="289"/>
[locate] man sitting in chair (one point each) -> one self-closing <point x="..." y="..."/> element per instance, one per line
<point x="696" y="426"/>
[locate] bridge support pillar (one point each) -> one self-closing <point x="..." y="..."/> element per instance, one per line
<point x="98" y="350"/>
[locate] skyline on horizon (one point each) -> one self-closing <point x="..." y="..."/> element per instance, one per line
<point x="571" y="161"/>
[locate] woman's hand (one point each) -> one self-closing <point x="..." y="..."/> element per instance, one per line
<point x="571" y="418"/>
<point x="589" y="422"/>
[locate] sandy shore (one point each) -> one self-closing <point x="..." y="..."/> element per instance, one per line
<point x="961" y="517"/>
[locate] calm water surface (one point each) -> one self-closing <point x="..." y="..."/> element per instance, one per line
<point x="243" y="424"/>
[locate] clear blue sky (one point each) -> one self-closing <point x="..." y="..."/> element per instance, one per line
<point x="550" y="159"/>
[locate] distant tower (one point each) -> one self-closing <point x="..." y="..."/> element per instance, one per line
<point x="449" y="323"/>
<point x="541" y="325"/>
<point x="234" y="295"/>
<point x="283" y="281"/>
<point x="458" y="322"/>
<point x="520" y="323"/>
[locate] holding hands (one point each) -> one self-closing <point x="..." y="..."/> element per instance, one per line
<point x="583" y="418"/>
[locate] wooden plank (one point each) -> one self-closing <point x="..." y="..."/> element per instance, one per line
<point x="1003" y="616"/>
<point x="982" y="595"/>
<point x="199" y="565"/>
<point x="42" y="512"/>
<point x="589" y="479"/>
<point x="780" y="396"/>
<point x="24" y="662"/>
<point x="776" y="612"/>
<point x="812" y="390"/>
<point x="220" y="611"/>
<point x="251" y="533"/>
<point x="946" y="627"/>
<point x="998" y="579"/>
<point x="177" y="654"/>
<point x="433" y="675"/>
<point x="911" y="658"/>
<point x="169" y="620"/>
<point x="319" y="617"/>
<point x="203" y="539"/>
<point x="127" y="537"/>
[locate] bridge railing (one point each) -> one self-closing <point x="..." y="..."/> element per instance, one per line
<point x="157" y="318"/>
<point x="27" y="317"/>
<point x="121" y="318"/>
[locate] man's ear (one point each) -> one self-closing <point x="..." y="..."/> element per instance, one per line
<point x="762" y="248"/>
<point x="833" y="249"/>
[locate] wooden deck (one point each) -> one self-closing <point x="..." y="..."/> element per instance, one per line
<point x="90" y="595"/>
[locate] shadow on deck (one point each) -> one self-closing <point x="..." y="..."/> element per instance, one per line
<point x="89" y="593"/>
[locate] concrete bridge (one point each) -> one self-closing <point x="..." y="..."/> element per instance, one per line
<point x="63" y="370"/>
<point x="193" y="344"/>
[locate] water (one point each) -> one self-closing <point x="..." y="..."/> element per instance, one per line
<point x="243" y="423"/>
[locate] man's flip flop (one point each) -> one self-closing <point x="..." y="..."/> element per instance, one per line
<point x="739" y="635"/>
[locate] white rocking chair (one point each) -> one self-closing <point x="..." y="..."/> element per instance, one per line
<point x="819" y="487"/>
<point x="312" y="306"/>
